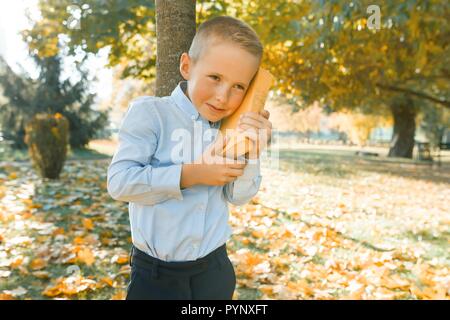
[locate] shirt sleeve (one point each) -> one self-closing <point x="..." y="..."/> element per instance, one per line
<point x="245" y="187"/>
<point x="131" y="178"/>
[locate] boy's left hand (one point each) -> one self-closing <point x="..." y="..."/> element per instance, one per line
<point x="257" y="127"/>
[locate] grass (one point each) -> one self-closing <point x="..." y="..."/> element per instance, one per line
<point x="8" y="154"/>
<point x="375" y="206"/>
<point x="343" y="164"/>
<point x="378" y="201"/>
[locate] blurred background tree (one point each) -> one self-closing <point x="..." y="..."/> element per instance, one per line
<point x="434" y="122"/>
<point x="127" y="28"/>
<point x="26" y="97"/>
<point x="357" y="126"/>
<point x="318" y="50"/>
<point x="326" y="52"/>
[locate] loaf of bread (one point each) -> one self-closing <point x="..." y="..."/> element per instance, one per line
<point x="237" y="144"/>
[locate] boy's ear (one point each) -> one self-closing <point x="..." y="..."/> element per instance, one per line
<point x="185" y="65"/>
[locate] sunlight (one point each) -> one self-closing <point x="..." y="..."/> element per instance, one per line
<point x="13" y="18"/>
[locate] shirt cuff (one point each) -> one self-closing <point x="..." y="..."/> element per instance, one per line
<point x="167" y="180"/>
<point x="251" y="170"/>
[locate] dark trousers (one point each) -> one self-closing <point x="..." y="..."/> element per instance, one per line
<point x="209" y="278"/>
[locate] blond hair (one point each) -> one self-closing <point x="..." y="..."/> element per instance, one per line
<point x="225" y="28"/>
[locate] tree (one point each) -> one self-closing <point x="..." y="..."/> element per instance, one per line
<point x="325" y="51"/>
<point x="175" y="29"/>
<point x="127" y="28"/>
<point x="357" y="127"/>
<point x="306" y="121"/>
<point x="14" y="111"/>
<point x="48" y="94"/>
<point x="318" y="50"/>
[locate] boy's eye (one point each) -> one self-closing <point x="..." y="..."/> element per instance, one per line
<point x="217" y="78"/>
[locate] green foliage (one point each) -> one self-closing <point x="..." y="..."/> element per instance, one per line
<point x="318" y="50"/>
<point x="47" y="137"/>
<point x="126" y="27"/>
<point x="16" y="106"/>
<point x="327" y="52"/>
<point x="48" y="94"/>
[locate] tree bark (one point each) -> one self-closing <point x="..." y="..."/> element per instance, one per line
<point x="175" y="29"/>
<point x="404" y="114"/>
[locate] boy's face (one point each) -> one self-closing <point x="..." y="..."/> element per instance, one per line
<point x="218" y="81"/>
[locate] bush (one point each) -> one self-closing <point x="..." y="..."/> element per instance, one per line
<point x="47" y="138"/>
<point x="25" y="97"/>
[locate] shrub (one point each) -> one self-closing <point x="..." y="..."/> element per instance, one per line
<point x="47" y="138"/>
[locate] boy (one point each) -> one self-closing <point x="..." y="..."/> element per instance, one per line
<point x="179" y="206"/>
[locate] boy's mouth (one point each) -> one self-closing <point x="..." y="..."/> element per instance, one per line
<point x="214" y="108"/>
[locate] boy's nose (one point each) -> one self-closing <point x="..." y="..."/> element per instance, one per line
<point x="222" y="95"/>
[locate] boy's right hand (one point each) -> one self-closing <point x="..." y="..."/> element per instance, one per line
<point x="212" y="169"/>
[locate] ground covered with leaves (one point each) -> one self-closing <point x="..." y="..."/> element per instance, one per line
<point x="325" y="225"/>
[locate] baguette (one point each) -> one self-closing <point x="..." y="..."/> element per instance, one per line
<point x="237" y="144"/>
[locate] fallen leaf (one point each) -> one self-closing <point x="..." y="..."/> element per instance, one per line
<point x="12" y="175"/>
<point x="108" y="281"/>
<point x="88" y="224"/>
<point x="20" y="291"/>
<point x="85" y="255"/>
<point x="119" y="295"/>
<point x="38" y="264"/>
<point x="16" y="262"/>
<point x="4" y="273"/>
<point x="41" y="274"/>
<point x="6" y="296"/>
<point x="120" y="259"/>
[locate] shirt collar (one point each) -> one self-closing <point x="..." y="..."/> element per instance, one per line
<point x="180" y="98"/>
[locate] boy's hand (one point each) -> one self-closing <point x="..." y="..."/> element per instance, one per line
<point x="212" y="169"/>
<point x="257" y="127"/>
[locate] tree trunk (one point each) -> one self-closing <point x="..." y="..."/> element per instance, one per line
<point x="175" y="29"/>
<point x="402" y="143"/>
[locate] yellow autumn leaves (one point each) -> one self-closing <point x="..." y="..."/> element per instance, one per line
<point x="78" y="248"/>
<point x="291" y="259"/>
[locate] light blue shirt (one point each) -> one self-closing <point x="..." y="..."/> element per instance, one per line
<point x="167" y="222"/>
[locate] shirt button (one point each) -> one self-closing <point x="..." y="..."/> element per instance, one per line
<point x="193" y="117"/>
<point x="195" y="246"/>
<point x="201" y="207"/>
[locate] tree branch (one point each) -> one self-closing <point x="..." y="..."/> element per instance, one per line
<point x="445" y="103"/>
